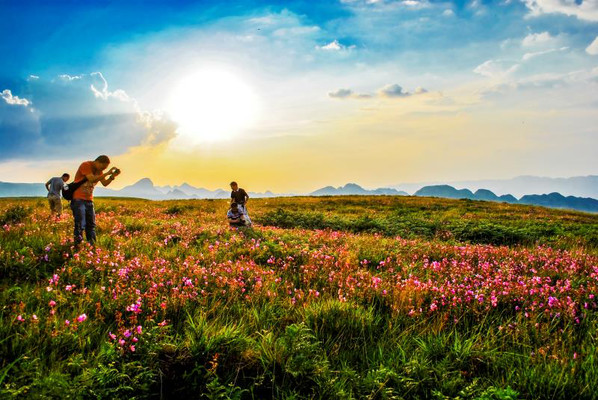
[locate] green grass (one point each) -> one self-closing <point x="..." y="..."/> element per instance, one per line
<point x="220" y="345"/>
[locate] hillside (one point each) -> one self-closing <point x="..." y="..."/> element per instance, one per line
<point x="413" y="294"/>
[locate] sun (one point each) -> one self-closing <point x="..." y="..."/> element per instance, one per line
<point x="212" y="105"/>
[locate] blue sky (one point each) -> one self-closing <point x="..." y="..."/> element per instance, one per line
<point x="445" y="85"/>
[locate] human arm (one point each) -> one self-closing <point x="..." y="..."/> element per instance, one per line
<point x="109" y="179"/>
<point x="48" y="185"/>
<point x="92" y="178"/>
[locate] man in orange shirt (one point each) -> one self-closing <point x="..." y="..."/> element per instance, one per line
<point x="82" y="203"/>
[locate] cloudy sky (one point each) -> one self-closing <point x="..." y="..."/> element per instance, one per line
<point x="293" y="95"/>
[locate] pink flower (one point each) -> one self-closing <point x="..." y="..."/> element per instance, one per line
<point x="132" y="348"/>
<point x="112" y="336"/>
<point x="139" y="329"/>
<point x="127" y="333"/>
<point x="52" y="303"/>
<point x="81" y="317"/>
<point x="20" y="318"/>
<point x="121" y="342"/>
<point x="67" y="322"/>
<point x="34" y="317"/>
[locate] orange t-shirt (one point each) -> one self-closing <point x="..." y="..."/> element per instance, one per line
<point x="85" y="191"/>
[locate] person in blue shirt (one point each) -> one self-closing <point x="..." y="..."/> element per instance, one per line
<point x="54" y="187"/>
<point x="235" y="216"/>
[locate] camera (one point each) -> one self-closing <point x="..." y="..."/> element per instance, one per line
<point x="116" y="171"/>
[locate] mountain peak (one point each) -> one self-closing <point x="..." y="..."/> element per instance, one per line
<point x="144" y="182"/>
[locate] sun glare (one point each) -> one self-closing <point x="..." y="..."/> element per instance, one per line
<point x="211" y="105"/>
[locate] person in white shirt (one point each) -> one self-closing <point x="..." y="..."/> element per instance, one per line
<point x="235" y="216"/>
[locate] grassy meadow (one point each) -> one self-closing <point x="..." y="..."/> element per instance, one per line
<point x="325" y="298"/>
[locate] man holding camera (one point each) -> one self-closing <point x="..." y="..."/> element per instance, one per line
<point x="82" y="203"/>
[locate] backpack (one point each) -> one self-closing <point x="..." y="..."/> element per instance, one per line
<point x="69" y="190"/>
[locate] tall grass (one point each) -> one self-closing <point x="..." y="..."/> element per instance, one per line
<point x="323" y="302"/>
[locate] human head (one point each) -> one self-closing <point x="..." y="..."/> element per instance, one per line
<point x="102" y="162"/>
<point x="234" y="207"/>
<point x="233" y="185"/>
<point x="65" y="177"/>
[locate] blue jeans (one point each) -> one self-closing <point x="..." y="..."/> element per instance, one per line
<point x="85" y="220"/>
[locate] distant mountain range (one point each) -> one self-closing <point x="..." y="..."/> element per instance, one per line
<point x="145" y="188"/>
<point x="553" y="200"/>
<point x="580" y="186"/>
<point x="354" y="189"/>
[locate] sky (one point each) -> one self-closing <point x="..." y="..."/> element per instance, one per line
<point x="290" y="96"/>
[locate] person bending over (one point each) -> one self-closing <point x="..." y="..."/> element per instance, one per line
<point x="82" y="203"/>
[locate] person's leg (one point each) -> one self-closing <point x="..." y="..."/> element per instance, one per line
<point x="58" y="206"/>
<point x="51" y="204"/>
<point x="90" y="219"/>
<point x="78" y="208"/>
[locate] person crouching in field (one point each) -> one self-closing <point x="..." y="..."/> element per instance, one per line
<point x="82" y="203"/>
<point x="240" y="197"/>
<point x="54" y="187"/>
<point x="235" y="216"/>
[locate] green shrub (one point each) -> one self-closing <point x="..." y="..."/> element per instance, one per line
<point x="15" y="215"/>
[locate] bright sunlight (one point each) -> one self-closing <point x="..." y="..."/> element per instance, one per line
<point x="212" y="105"/>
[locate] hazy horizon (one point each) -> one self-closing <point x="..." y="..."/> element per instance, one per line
<point x="409" y="187"/>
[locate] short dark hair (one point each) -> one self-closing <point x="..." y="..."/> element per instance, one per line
<point x="233" y="183"/>
<point x="65" y="175"/>
<point x="103" y="159"/>
<point x="234" y="205"/>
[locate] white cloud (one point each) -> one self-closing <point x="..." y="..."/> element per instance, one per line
<point x="448" y="13"/>
<point x="578" y="78"/>
<point x="332" y="46"/>
<point x="414" y="3"/>
<point x="593" y="47"/>
<point x="335" y="45"/>
<point x="67" y="77"/>
<point x="80" y="111"/>
<point x="586" y="9"/>
<point x="529" y="56"/>
<point x="103" y="92"/>
<point x="393" y="90"/>
<point x="341" y="93"/>
<point x="389" y="91"/>
<point x="8" y="97"/>
<point x="495" y="69"/>
<point x="535" y="39"/>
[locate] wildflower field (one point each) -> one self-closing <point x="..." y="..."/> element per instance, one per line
<point x="333" y="298"/>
